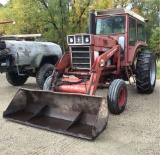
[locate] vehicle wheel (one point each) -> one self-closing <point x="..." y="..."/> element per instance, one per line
<point x="15" y="79"/>
<point x="43" y="73"/>
<point x="47" y="82"/>
<point x="146" y="72"/>
<point x="117" y="96"/>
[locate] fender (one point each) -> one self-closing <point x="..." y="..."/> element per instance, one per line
<point x="37" y="60"/>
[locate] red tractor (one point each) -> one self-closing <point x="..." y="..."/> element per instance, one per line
<point x="105" y="57"/>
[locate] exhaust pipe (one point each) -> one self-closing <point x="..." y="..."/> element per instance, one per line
<point x="92" y="22"/>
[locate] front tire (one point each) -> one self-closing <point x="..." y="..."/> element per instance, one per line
<point x="146" y="72"/>
<point x="16" y="80"/>
<point x="43" y="73"/>
<point x="117" y="96"/>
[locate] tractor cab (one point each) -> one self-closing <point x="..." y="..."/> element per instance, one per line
<point x="124" y="26"/>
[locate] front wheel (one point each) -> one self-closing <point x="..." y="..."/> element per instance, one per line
<point x="47" y="83"/>
<point x="117" y="96"/>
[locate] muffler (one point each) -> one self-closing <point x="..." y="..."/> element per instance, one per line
<point x="77" y="115"/>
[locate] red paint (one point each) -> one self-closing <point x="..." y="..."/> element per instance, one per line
<point x="122" y="97"/>
<point x="74" y="88"/>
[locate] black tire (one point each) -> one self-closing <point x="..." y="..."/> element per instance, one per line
<point x="117" y="96"/>
<point x="146" y="72"/>
<point x="43" y="73"/>
<point x="15" y="79"/>
<point x="47" y="82"/>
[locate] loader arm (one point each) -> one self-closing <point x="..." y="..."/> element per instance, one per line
<point x="97" y="69"/>
<point x="64" y="62"/>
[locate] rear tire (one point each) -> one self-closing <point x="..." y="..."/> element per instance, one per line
<point x="14" y="79"/>
<point x="146" y="72"/>
<point x="117" y="96"/>
<point x="43" y="73"/>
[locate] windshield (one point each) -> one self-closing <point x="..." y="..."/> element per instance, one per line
<point x="111" y="25"/>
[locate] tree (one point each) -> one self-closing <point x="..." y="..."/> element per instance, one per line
<point x="155" y="41"/>
<point x="26" y="16"/>
<point x="102" y="4"/>
<point x="55" y="18"/>
<point x="120" y="3"/>
<point x="79" y="15"/>
<point x="65" y="17"/>
<point x="149" y="9"/>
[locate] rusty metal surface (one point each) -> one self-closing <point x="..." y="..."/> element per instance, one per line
<point x="26" y="51"/>
<point x="77" y="115"/>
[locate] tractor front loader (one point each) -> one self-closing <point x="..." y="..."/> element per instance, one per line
<point x="103" y="58"/>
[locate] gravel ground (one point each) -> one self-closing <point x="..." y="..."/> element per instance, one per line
<point x="135" y="132"/>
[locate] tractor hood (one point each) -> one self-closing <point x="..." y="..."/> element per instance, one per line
<point x="90" y="39"/>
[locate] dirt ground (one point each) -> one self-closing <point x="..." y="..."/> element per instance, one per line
<point x="135" y="132"/>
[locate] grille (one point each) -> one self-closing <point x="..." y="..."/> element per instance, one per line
<point x="2" y="45"/>
<point x="78" y="39"/>
<point x="81" y="57"/>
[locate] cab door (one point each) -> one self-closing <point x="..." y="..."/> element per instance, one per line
<point x="132" y="39"/>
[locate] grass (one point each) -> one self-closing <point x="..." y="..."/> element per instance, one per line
<point x="158" y="69"/>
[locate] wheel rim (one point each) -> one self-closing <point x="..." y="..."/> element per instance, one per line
<point x="46" y="85"/>
<point x="122" y="97"/>
<point x="152" y="73"/>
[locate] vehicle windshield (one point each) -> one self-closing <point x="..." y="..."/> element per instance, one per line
<point x="111" y="25"/>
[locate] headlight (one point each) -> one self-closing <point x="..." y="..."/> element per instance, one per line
<point x="87" y="39"/>
<point x="70" y="39"/>
<point x="102" y="63"/>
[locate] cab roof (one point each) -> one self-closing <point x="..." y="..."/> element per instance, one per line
<point x="119" y="11"/>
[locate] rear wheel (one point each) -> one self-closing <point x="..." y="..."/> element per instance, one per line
<point x="14" y="79"/>
<point x="117" y="96"/>
<point x="43" y="73"/>
<point x="146" y="72"/>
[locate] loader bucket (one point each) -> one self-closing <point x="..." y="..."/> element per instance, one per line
<point x="77" y="115"/>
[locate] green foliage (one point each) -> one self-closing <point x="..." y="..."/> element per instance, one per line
<point x="79" y="11"/>
<point x="55" y="16"/>
<point x="25" y="14"/>
<point x="120" y="3"/>
<point x="155" y="41"/>
<point x="102" y="4"/>
<point x="158" y="69"/>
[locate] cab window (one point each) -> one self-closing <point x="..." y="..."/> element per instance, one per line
<point x="111" y="25"/>
<point x="141" y="33"/>
<point x="132" y="31"/>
